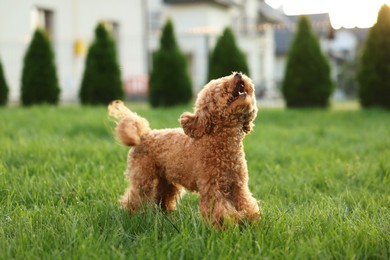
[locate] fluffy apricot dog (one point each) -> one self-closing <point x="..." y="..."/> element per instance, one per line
<point x="205" y="156"/>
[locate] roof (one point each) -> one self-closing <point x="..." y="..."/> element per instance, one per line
<point x="283" y="35"/>
<point x="267" y="14"/>
<point x="223" y="3"/>
<point x="360" y="33"/>
<point x="320" y="23"/>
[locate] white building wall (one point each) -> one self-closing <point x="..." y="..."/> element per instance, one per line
<point x="344" y="45"/>
<point x="259" y="51"/>
<point x="269" y="62"/>
<point x="197" y="27"/>
<point x="15" y="33"/>
<point x="73" y="20"/>
<point x="279" y="70"/>
<point x="251" y="48"/>
<point x="190" y="16"/>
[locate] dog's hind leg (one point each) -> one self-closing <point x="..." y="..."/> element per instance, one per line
<point x="167" y="194"/>
<point x="137" y="196"/>
<point x="143" y="182"/>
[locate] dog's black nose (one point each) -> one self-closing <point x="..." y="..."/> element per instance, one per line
<point x="238" y="75"/>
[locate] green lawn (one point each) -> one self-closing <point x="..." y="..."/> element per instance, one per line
<point x="323" y="179"/>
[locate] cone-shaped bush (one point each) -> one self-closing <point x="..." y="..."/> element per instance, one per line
<point x="307" y="81"/>
<point x="3" y="87"/>
<point x="101" y="82"/>
<point x="226" y="57"/>
<point x="374" y="68"/>
<point x="39" y="75"/>
<point x="170" y="83"/>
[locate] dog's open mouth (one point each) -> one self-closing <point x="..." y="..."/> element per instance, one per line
<point x="239" y="91"/>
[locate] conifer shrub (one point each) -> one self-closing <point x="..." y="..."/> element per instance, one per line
<point x="3" y="87"/>
<point x="170" y="83"/>
<point x="307" y="81"/>
<point x="226" y="57"/>
<point x="374" y="68"/>
<point x="101" y="82"/>
<point x="39" y="76"/>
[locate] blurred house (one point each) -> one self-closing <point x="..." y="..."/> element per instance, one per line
<point x="136" y="27"/>
<point x="343" y="52"/>
<point x="198" y="24"/>
<point x="340" y="46"/>
<point x="70" y="25"/>
<point x="263" y="34"/>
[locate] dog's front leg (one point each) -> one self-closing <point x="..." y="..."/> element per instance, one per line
<point x="246" y="204"/>
<point x="217" y="210"/>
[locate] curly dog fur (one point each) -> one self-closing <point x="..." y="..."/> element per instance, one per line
<point x="206" y="155"/>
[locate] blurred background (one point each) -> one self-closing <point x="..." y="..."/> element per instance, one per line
<point x="263" y="31"/>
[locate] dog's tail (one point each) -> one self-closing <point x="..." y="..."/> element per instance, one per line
<point x="130" y="126"/>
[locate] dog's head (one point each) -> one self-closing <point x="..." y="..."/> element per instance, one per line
<point x="227" y="102"/>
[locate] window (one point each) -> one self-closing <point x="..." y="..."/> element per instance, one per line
<point x="43" y="18"/>
<point x="154" y="21"/>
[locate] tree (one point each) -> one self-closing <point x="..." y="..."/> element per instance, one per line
<point x="3" y="87"/>
<point x="101" y="82"/>
<point x="374" y="69"/>
<point x="170" y="84"/>
<point x="39" y="75"/>
<point x="226" y="57"/>
<point x="307" y="81"/>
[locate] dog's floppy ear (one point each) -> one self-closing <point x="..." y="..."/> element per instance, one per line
<point x="196" y="125"/>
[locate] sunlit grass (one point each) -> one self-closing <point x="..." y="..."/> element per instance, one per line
<point x="322" y="177"/>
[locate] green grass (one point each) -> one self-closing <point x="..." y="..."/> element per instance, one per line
<point x="323" y="178"/>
